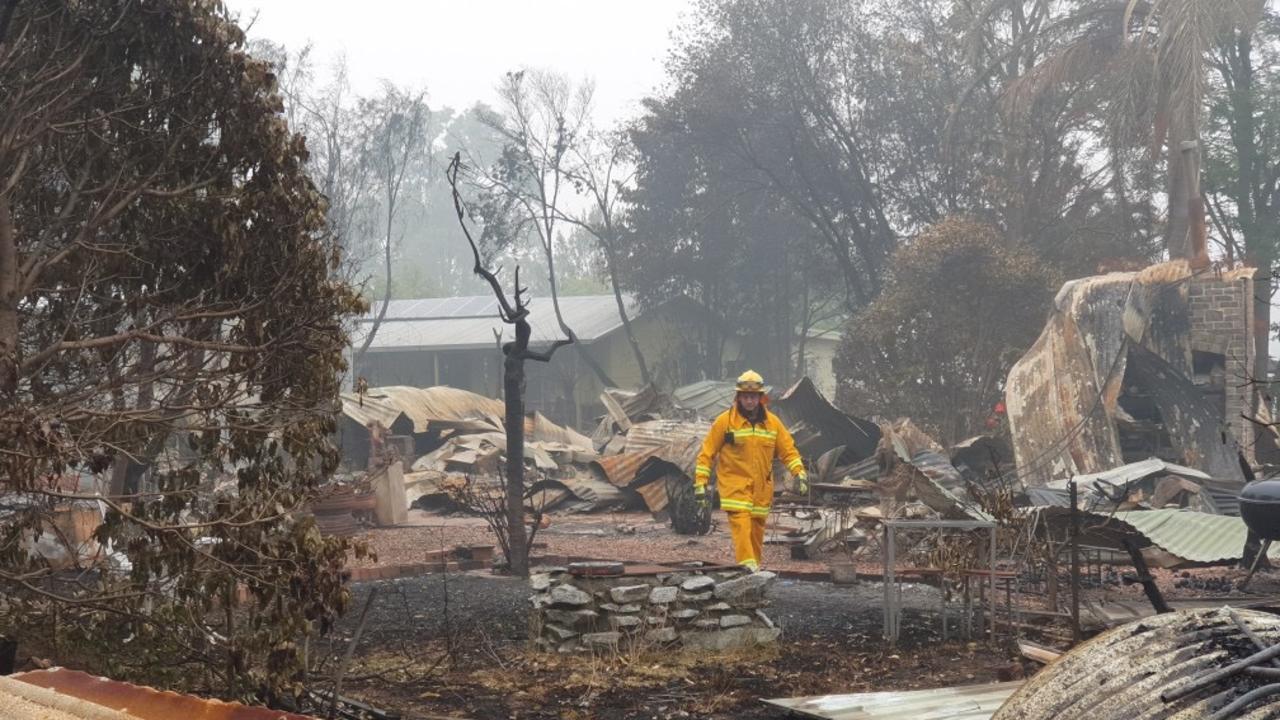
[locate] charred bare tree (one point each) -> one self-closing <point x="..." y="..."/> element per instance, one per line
<point x="514" y="311"/>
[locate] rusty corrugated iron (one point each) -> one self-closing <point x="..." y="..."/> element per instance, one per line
<point x="23" y="701"/>
<point x="594" y="493"/>
<point x="661" y="433"/>
<point x="621" y="469"/>
<point x="706" y="398"/>
<point x="538" y="428"/>
<point x="654" y="495"/>
<point x="145" y="703"/>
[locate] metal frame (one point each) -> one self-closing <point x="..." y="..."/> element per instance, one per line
<point x="893" y="588"/>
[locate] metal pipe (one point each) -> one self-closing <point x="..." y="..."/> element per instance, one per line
<point x="1208" y="679"/>
<point x="891" y="584"/>
<point x="1075" y="561"/>
<point x="884" y="579"/>
<point x="1249" y="633"/>
<point x="992" y="596"/>
<point x="1253" y="567"/>
<point x="1241" y="702"/>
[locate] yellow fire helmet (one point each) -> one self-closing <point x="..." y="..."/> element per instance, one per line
<point x="750" y="381"/>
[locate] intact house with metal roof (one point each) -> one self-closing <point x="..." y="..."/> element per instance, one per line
<point x="457" y="342"/>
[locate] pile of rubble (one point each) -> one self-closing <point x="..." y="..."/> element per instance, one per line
<point x="642" y="455"/>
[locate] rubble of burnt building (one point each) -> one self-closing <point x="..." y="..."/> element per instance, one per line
<point x="1131" y="365"/>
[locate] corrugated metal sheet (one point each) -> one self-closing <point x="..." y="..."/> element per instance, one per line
<point x="469" y="322"/>
<point x="1132" y="473"/>
<point x="1101" y="490"/>
<point x="707" y="398"/>
<point x="595" y="494"/>
<point x="1120" y="675"/>
<point x="654" y="495"/>
<point x="442" y="405"/>
<point x="623" y="470"/>
<point x="818" y="426"/>
<point x="661" y="433"/>
<point x="968" y="702"/>
<point x="620" y="470"/>
<point x="1195" y="537"/>
<point x="1048" y="497"/>
<point x="1225" y="498"/>
<point x="541" y="430"/>
<point x="23" y="701"/>
<point x="145" y="703"/>
<point x="943" y="488"/>
<point x="634" y="403"/>
<point x="369" y="409"/>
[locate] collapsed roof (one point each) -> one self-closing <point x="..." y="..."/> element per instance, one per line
<point x="1113" y="369"/>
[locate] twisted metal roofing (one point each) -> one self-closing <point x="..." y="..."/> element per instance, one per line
<point x="1121" y="674"/>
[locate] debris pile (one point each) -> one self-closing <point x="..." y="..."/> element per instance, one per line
<point x="1133" y="365"/>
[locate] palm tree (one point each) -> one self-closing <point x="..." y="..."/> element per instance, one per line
<point x="1146" y="64"/>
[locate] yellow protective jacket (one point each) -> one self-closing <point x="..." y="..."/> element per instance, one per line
<point x="744" y="470"/>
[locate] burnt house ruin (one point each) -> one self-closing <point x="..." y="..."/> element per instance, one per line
<point x="1134" y="365"/>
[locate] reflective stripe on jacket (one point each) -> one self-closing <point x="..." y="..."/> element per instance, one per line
<point x="749" y="458"/>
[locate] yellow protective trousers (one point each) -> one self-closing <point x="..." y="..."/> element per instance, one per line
<point x="747" y="505"/>
<point x="747" y="531"/>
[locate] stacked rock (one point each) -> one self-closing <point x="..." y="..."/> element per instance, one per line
<point x="708" y="610"/>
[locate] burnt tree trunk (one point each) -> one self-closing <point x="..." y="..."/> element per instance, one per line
<point x="512" y="311"/>
<point x="8" y="302"/>
<point x="513" y="384"/>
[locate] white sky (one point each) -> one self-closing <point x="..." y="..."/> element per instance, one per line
<point x="458" y="50"/>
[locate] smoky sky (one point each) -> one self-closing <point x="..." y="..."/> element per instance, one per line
<point x="458" y="50"/>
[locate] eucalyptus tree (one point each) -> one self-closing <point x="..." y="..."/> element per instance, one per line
<point x="169" y="307"/>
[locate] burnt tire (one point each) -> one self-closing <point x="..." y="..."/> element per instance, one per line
<point x="682" y="505"/>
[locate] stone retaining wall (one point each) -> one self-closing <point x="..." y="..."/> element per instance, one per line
<point x="709" y="610"/>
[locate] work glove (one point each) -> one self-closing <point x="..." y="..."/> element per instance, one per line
<point x="700" y="497"/>
<point x="802" y="484"/>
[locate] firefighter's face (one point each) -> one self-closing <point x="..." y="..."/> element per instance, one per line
<point x="749" y="401"/>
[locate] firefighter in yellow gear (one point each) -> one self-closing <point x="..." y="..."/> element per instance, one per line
<point x="743" y="441"/>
